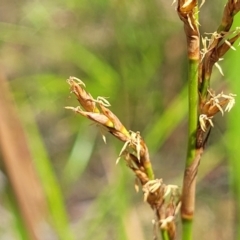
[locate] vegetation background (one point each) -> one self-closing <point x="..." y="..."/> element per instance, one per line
<point x="133" y="52"/>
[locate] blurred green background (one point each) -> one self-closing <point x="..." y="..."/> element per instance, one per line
<point x="133" y="52"/>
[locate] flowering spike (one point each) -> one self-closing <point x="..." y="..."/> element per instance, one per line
<point x="84" y="98"/>
<point x="96" y="117"/>
<point x="118" y="126"/>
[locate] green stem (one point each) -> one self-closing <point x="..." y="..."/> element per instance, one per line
<point x="193" y="110"/>
<point x="189" y="181"/>
<point x="187" y="229"/>
<point x="165" y="235"/>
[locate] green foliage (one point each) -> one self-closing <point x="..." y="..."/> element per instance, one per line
<point x="232" y="138"/>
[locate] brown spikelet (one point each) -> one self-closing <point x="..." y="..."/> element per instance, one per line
<point x="85" y="99"/>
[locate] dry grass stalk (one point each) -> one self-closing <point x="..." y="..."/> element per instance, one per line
<point x="19" y="168"/>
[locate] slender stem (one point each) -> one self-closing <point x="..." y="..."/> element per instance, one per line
<point x="193" y="154"/>
<point x="187" y="229"/>
<point x="189" y="181"/>
<point x="193" y="110"/>
<point x="165" y="235"/>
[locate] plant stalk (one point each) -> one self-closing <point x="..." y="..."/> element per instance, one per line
<point x="188" y="13"/>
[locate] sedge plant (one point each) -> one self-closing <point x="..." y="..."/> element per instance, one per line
<point x="203" y="104"/>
